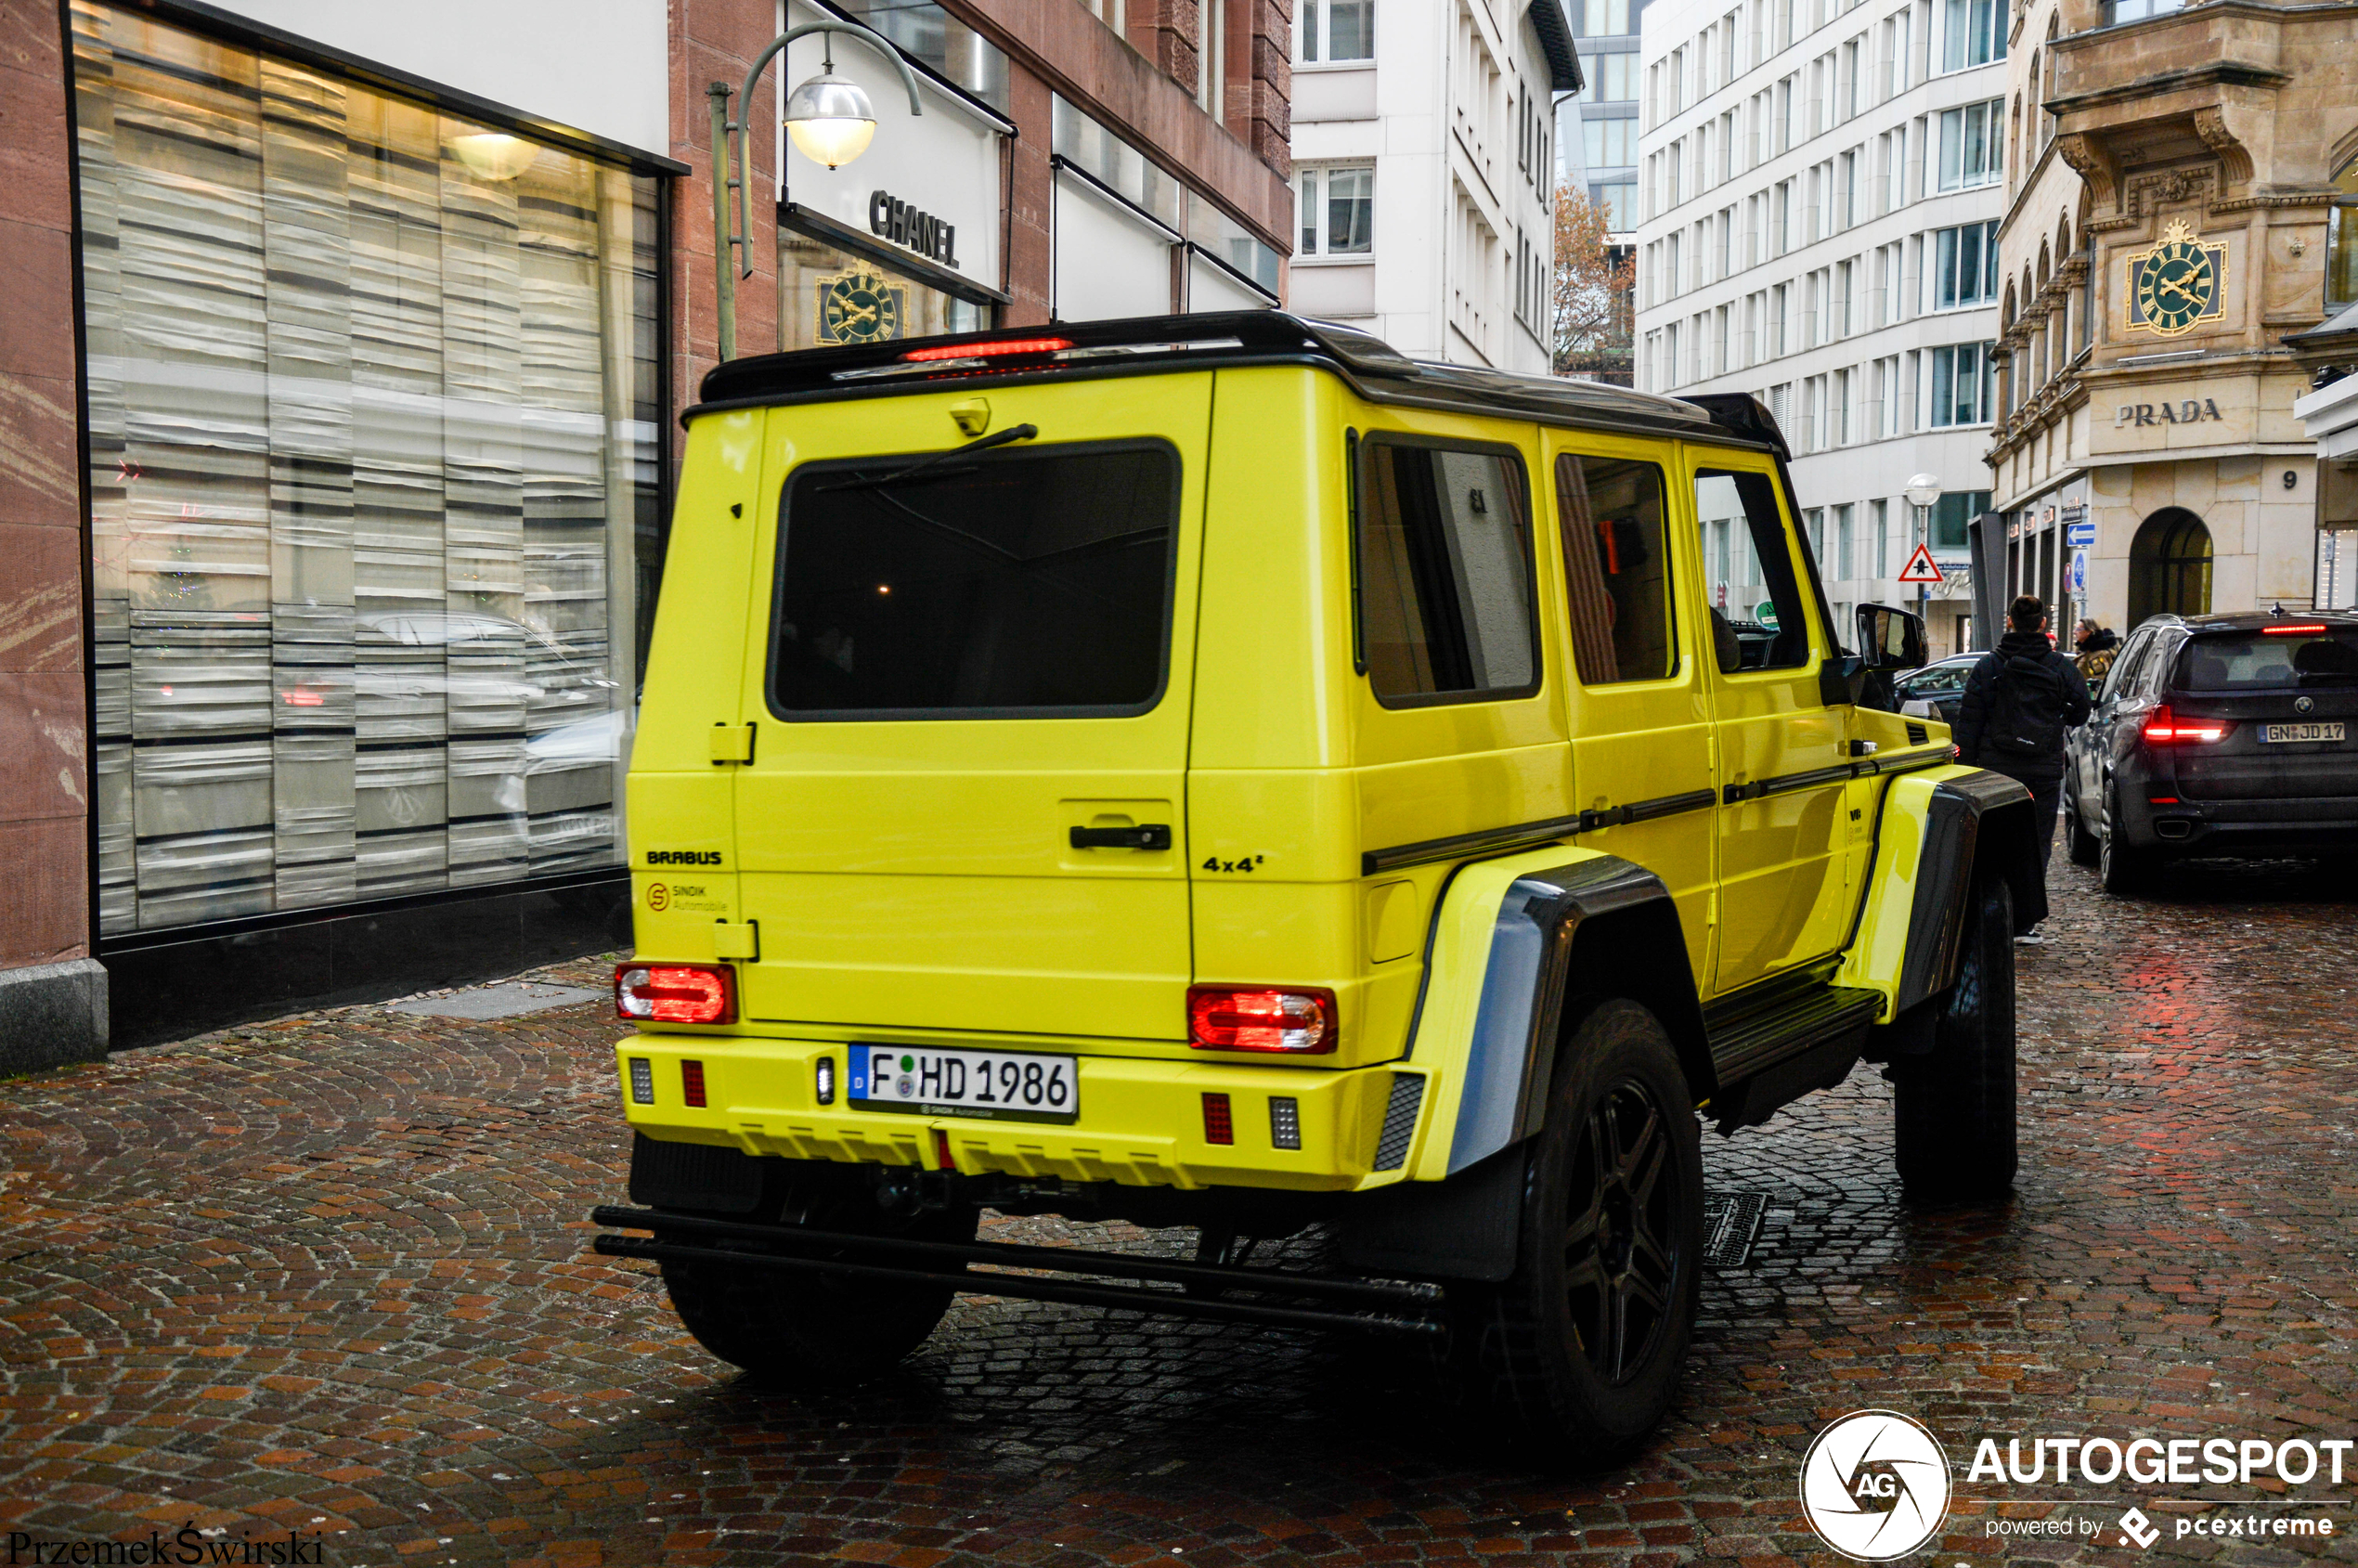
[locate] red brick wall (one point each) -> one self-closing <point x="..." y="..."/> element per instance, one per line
<point x="45" y="912"/>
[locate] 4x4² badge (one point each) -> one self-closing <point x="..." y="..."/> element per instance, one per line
<point x="1874" y="1485"/>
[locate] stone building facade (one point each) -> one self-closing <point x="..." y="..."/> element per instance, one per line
<point x="2173" y="183"/>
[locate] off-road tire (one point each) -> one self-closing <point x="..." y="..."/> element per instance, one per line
<point x="1953" y="1132"/>
<point x="2082" y="846"/>
<point x="816" y="1333"/>
<point x="1579" y="1349"/>
<point x="2122" y="870"/>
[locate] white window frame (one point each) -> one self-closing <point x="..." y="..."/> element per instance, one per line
<point x="1317" y="30"/>
<point x="1315" y="246"/>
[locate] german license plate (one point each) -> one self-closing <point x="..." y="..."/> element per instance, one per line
<point x="1001" y="1085"/>
<point x="2278" y="733"/>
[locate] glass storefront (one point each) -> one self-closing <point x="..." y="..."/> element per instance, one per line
<point x="374" y="412"/>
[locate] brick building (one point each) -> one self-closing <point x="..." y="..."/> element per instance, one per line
<point x="337" y="408"/>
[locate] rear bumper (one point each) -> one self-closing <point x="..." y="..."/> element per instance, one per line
<point x="1141" y="1124"/>
<point x="2250" y="827"/>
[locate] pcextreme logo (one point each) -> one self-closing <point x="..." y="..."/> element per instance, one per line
<point x="1874" y="1485"/>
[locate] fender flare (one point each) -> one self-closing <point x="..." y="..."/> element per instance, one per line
<point x="1976" y="824"/>
<point x="1563" y="921"/>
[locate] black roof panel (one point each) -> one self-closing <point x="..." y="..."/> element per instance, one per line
<point x="1216" y="339"/>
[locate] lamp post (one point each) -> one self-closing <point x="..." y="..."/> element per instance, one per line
<point x="1922" y="491"/>
<point x="829" y="119"/>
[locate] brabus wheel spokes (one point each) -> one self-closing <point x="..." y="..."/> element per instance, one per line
<point x="1621" y="1238"/>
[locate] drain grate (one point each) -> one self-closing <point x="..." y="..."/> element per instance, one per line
<point x="1730" y="1225"/>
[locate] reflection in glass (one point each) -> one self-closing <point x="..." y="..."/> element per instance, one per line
<point x="372" y="404"/>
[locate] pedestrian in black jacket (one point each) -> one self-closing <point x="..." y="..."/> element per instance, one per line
<point x="2019" y="701"/>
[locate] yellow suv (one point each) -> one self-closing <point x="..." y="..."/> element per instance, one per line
<point x="1214" y="770"/>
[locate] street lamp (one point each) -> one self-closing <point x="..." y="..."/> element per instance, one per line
<point x="829" y="118"/>
<point x="1922" y="491"/>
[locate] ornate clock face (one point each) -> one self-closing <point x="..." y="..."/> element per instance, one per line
<point x="860" y="307"/>
<point x="2177" y="283"/>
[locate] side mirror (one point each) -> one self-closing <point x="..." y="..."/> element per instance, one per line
<point x="1891" y="638"/>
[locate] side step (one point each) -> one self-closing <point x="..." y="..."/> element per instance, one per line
<point x="1772" y="1043"/>
<point x="1388" y="1308"/>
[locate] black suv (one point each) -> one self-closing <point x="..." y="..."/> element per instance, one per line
<point x="2218" y="736"/>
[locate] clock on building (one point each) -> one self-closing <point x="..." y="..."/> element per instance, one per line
<point x="859" y="306"/>
<point x="2175" y="286"/>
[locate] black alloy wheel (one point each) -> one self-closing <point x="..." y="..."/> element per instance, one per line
<point x="2121" y="870"/>
<point x="1578" y="1350"/>
<point x="2082" y="845"/>
<point x="1618" y="1248"/>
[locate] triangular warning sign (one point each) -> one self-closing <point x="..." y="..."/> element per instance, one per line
<point x="1920" y="568"/>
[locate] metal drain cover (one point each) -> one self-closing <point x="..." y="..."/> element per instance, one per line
<point x="1730" y="1225"/>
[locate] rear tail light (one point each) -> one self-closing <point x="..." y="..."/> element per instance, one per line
<point x="2305" y="629"/>
<point x="676" y="994"/>
<point x="1219" y="1125"/>
<point x="2164" y="728"/>
<point x="692" y="1082"/>
<point x="1253" y="1018"/>
<point x="643" y="1081"/>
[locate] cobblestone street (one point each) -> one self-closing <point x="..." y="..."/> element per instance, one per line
<point x="329" y="1275"/>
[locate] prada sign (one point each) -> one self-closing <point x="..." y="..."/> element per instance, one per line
<point x="892" y="218"/>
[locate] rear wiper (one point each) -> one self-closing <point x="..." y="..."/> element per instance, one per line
<point x="902" y="476"/>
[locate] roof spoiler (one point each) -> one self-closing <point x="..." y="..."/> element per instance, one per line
<point x="1739" y="413"/>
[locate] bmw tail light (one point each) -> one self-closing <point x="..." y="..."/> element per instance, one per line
<point x="1300" y="1021"/>
<point x="2163" y="727"/>
<point x="676" y="994"/>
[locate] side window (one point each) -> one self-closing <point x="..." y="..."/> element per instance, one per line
<point x="1442" y="549"/>
<point x="1722" y="493"/>
<point x="2124" y="666"/>
<point x="1616" y="569"/>
<point x="2153" y="671"/>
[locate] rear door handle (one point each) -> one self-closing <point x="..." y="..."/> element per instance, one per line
<point x="1146" y="835"/>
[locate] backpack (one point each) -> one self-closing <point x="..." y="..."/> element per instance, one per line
<point x="2025" y="713"/>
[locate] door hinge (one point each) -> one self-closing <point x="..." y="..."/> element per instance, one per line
<point x="737" y="941"/>
<point x="733" y="743"/>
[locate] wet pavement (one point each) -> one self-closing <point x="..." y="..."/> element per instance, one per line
<point x="323" y="1281"/>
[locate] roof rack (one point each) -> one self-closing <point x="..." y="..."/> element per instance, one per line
<point x="1149" y="344"/>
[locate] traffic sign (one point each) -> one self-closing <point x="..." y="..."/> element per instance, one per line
<point x="2078" y="577"/>
<point x="1920" y="568"/>
<point x="2079" y="536"/>
<point x="1765" y="613"/>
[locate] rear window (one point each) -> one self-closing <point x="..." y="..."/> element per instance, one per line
<point x="2258" y="661"/>
<point x="1007" y="584"/>
<point x="1442" y="551"/>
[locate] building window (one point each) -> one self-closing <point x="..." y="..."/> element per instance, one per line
<point x="1952" y="517"/>
<point x="1337" y="31"/>
<point x="2342" y="241"/>
<point x="1601" y="19"/>
<point x="2137" y="10"/>
<point x="1611" y="144"/>
<point x="1609" y="78"/>
<point x="1618" y="202"/>
<point x="374" y="401"/>
<point x="1973" y="33"/>
<point x="1965" y="266"/>
<point x="1338" y="211"/>
<point x="1972" y="144"/>
<point x="1961" y="385"/>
